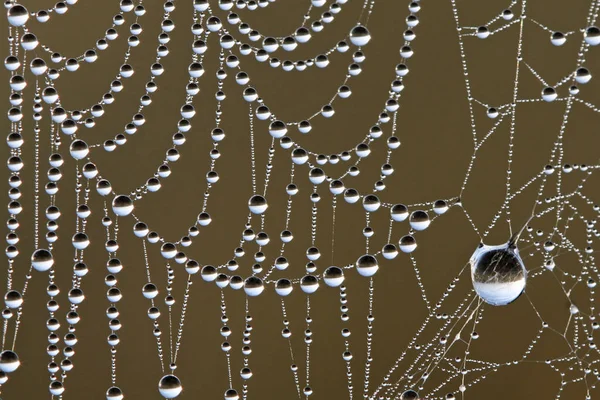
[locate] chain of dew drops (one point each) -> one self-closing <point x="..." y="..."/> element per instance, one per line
<point x="426" y="358"/>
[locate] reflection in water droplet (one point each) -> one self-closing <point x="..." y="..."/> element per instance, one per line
<point x="9" y="361"/>
<point x="169" y="386"/>
<point x="419" y="220"/>
<point x="333" y="276"/>
<point x="359" y="35"/>
<point x="410" y="395"/>
<point x="367" y="265"/>
<point x="257" y="204"/>
<point x="498" y="273"/>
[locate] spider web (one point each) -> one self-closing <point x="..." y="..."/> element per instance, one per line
<point x="455" y="350"/>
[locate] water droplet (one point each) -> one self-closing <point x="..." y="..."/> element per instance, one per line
<point x="56" y="388"/>
<point x="367" y="265"/>
<point x="17" y="15"/>
<point x="9" y="361"/>
<point x="482" y="32"/>
<point x="253" y="286"/>
<point x="13" y="299"/>
<point x="150" y="291"/>
<point x="169" y="386"/>
<point x="360" y="36"/>
<point x="410" y="395"/>
<point x="371" y="203"/>
<point x="407" y="244"/>
<point x="283" y="287"/>
<point x="257" y="204"/>
<point x="114" y="393"/>
<point x="498" y="273"/>
<point x="309" y="284"/>
<point x="122" y="205"/>
<point x="399" y="212"/>
<point x="592" y="36"/>
<point x="558" y="38"/>
<point x="231" y="394"/>
<point x="549" y="94"/>
<point x="389" y="251"/>
<point x="440" y="207"/>
<point x="582" y="75"/>
<point x="333" y="276"/>
<point x="246" y="373"/>
<point x="42" y="260"/>
<point x="419" y="220"/>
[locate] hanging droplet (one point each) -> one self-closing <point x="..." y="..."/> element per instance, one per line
<point x="371" y="203"/>
<point x="482" y="32"/>
<point x="492" y="112"/>
<point x="114" y="393"/>
<point x="360" y="36"/>
<point x="150" y="291"/>
<point x="140" y="229"/>
<point x="582" y="75"/>
<point x="169" y="386"/>
<point x="592" y="36"/>
<point x="231" y="394"/>
<point x="573" y="309"/>
<point x="168" y="250"/>
<point x="246" y="373"/>
<point x="13" y="299"/>
<point x="367" y="265"/>
<point x="419" y="220"/>
<point x="558" y="38"/>
<point x="283" y="287"/>
<point x="253" y="286"/>
<point x="277" y="129"/>
<point x="399" y="212"/>
<point x="209" y="273"/>
<point x="309" y="284"/>
<point x="440" y="207"/>
<point x="257" y="204"/>
<point x="498" y="272"/>
<point x="76" y="296"/>
<point x="549" y="94"/>
<point x="56" y="388"/>
<point x="407" y="244"/>
<point x="9" y="361"/>
<point x="79" y="149"/>
<point x="17" y="15"/>
<point x="122" y="205"/>
<point x="507" y="14"/>
<point x="333" y="276"/>
<point x="410" y="395"/>
<point x="389" y="251"/>
<point x="42" y="260"/>
<point x="80" y="241"/>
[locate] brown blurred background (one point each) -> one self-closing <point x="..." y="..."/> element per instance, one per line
<point x="434" y="128"/>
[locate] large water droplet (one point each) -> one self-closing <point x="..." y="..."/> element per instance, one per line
<point x="498" y="273"/>
<point x="42" y="260"/>
<point x="410" y="395"/>
<point x="17" y="15"/>
<point x="257" y="204"/>
<point x="367" y="265"/>
<point x="169" y="386"/>
<point x="122" y="205"/>
<point x="9" y="361"/>
<point x="359" y="35"/>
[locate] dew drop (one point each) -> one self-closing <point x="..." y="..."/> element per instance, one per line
<point x="169" y="386"/>
<point x="367" y="265"/>
<point x="257" y="204"/>
<point x="498" y="273"/>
